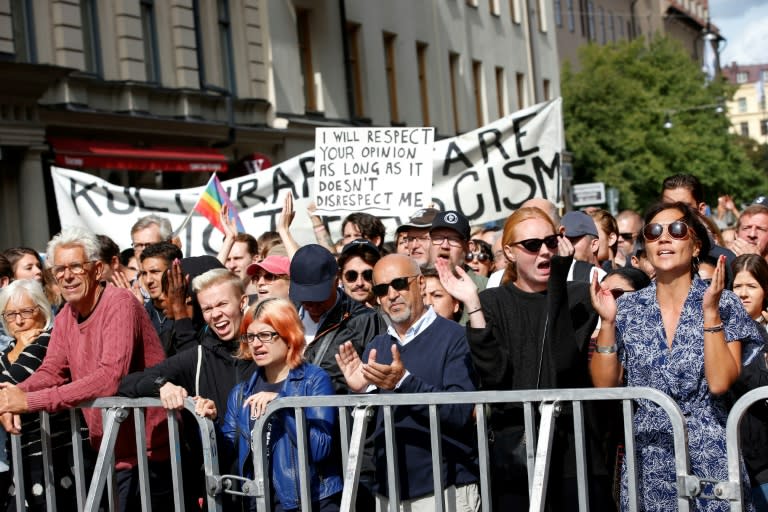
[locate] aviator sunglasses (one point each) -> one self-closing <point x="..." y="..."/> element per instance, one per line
<point x="534" y="244"/>
<point x="398" y="284"/>
<point x="678" y="230"/>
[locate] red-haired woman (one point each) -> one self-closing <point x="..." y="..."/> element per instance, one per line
<point x="273" y="336"/>
<point x="532" y="332"/>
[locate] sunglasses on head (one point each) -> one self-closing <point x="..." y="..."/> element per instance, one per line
<point x="350" y="276"/>
<point x="534" y="244"/>
<point x="678" y="230"/>
<point x="398" y="284"/>
<point x="479" y="256"/>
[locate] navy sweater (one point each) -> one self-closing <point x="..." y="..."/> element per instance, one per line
<point x="438" y="360"/>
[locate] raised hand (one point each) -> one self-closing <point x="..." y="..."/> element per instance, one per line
<point x="121" y="281"/>
<point x="285" y="219"/>
<point x="564" y="247"/>
<point x="602" y="300"/>
<point x="176" y="295"/>
<point x="228" y="224"/>
<point x="457" y="283"/>
<point x="715" y="289"/>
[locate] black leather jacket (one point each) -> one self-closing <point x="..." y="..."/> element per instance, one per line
<point x="348" y="320"/>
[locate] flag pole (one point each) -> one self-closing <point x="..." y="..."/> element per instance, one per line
<point x="191" y="211"/>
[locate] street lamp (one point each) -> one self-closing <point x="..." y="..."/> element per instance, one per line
<point x="711" y="54"/>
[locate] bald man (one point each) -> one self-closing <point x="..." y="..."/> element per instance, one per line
<point x="421" y="352"/>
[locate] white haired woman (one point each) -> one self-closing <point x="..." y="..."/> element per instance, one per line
<point x="27" y="317"/>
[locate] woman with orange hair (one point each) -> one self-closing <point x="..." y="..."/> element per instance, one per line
<point x="273" y="336"/>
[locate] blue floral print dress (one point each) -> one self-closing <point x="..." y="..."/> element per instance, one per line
<point x="678" y="372"/>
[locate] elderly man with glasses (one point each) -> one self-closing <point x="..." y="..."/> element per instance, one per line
<point x="100" y="335"/>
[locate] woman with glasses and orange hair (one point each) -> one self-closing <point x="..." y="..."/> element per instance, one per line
<point x="272" y="336"/>
<point x="683" y="337"/>
<point x="532" y="332"/>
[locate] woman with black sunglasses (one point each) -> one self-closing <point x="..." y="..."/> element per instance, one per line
<point x="683" y="337"/>
<point x="532" y="332"/>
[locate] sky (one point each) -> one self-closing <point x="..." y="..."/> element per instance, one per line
<point x="744" y="23"/>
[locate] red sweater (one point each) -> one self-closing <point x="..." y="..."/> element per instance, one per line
<point x="87" y="360"/>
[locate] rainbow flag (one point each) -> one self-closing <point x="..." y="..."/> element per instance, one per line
<point x="212" y="200"/>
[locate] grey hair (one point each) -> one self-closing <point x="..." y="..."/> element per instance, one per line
<point x="74" y="235"/>
<point x="16" y="291"/>
<point x="163" y="224"/>
<point x="217" y="276"/>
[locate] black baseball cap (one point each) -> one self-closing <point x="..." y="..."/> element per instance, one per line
<point x="452" y="220"/>
<point x="313" y="270"/>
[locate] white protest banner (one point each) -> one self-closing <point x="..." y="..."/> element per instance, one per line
<point x="485" y="174"/>
<point x="364" y="169"/>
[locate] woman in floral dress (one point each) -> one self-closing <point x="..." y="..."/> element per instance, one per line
<point x="684" y="338"/>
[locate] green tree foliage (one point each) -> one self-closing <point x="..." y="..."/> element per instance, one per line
<point x="615" y="108"/>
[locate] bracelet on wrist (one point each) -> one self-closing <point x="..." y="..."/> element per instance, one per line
<point x="474" y="311"/>
<point x="606" y="349"/>
<point x="715" y="328"/>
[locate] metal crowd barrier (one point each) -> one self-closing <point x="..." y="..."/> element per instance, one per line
<point x="114" y="411"/>
<point x="538" y="447"/>
<point x="732" y="489"/>
<point x="354" y="413"/>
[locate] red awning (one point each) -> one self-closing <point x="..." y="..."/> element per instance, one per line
<point x="91" y="154"/>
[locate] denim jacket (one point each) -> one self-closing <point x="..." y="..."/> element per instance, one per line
<point x="324" y="463"/>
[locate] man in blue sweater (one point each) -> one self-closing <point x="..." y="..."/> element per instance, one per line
<point x="420" y="353"/>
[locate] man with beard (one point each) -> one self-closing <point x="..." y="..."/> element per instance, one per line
<point x="330" y="317"/>
<point x="421" y="352"/>
<point x="356" y="263"/>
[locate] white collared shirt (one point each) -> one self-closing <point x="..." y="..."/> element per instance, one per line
<point x="417" y="328"/>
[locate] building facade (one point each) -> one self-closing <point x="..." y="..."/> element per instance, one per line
<point x="580" y="22"/>
<point x="747" y="111"/>
<point x="148" y="93"/>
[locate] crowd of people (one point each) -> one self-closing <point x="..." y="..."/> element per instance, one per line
<point x="676" y="300"/>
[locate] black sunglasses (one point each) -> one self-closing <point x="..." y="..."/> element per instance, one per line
<point x="480" y="256"/>
<point x="677" y="230"/>
<point x="350" y="276"/>
<point x="398" y="284"/>
<point x="627" y="236"/>
<point x="534" y="244"/>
